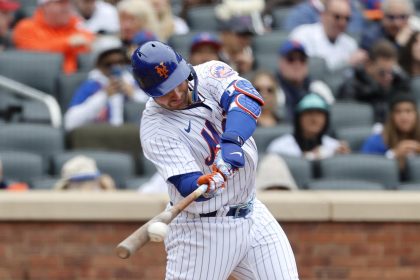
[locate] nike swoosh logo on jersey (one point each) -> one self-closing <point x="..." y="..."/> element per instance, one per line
<point x="188" y="129"/>
<point x="236" y="153"/>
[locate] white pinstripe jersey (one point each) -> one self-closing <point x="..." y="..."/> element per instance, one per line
<point x="181" y="141"/>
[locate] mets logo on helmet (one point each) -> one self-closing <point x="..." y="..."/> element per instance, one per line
<point x="162" y="70"/>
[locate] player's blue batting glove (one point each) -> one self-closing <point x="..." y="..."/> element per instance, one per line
<point x="215" y="183"/>
<point x="229" y="157"/>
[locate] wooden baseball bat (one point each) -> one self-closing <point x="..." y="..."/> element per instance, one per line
<point x="140" y="237"/>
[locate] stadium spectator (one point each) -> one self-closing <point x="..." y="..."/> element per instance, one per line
<point x="81" y="173"/>
<point x="274" y="174"/>
<point x="327" y="38"/>
<point x="309" y="139"/>
<point x="99" y="16"/>
<point x="294" y="79"/>
<point x="394" y="25"/>
<point x="7" y="8"/>
<point x="204" y="47"/>
<point x="236" y="36"/>
<point x="136" y="16"/>
<point x="409" y="55"/>
<point x="309" y="11"/>
<point x="54" y="28"/>
<point x="100" y="99"/>
<point x="400" y="137"/>
<point x="377" y="80"/>
<point x="265" y="83"/>
<point x="169" y="24"/>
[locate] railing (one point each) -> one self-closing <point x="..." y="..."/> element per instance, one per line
<point x="26" y="91"/>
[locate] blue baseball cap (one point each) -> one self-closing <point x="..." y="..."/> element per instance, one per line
<point x="290" y="46"/>
<point x="142" y="37"/>
<point x="205" y="38"/>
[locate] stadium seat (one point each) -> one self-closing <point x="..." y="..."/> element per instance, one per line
<point x="120" y="166"/>
<point x="354" y="136"/>
<point x="279" y="15"/>
<point x="34" y="111"/>
<point x="350" y="114"/>
<point x="44" y="183"/>
<point x="202" y="18"/>
<point x="415" y="88"/>
<point x="133" y="111"/>
<point x="409" y="187"/>
<point x="85" y="62"/>
<point x="67" y="86"/>
<point x="39" y="70"/>
<point x="317" y="67"/>
<point x="21" y="166"/>
<point x="301" y="170"/>
<point x="40" y="139"/>
<point x="181" y="43"/>
<point x="269" y="43"/>
<point x="413" y="169"/>
<point x="337" y="184"/>
<point x="266" y="61"/>
<point x="136" y="182"/>
<point x="264" y="135"/>
<point x="372" y="168"/>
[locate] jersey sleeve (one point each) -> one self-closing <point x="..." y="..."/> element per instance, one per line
<point x="214" y="77"/>
<point x="170" y="156"/>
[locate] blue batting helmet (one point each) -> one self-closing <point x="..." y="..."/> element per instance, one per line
<point x="159" y="69"/>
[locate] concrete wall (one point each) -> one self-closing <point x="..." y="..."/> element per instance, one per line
<point x="335" y="235"/>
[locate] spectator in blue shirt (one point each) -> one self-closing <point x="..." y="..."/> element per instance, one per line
<point x="400" y="137"/>
<point x="100" y="99"/>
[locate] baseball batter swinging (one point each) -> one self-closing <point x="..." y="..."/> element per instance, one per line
<point x="197" y="129"/>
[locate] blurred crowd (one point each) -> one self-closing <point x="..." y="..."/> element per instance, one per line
<point x="305" y="57"/>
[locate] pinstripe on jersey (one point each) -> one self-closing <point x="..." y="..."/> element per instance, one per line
<point x="212" y="248"/>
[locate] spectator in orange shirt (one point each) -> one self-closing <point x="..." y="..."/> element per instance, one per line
<point x="7" y="8"/>
<point x="54" y="28"/>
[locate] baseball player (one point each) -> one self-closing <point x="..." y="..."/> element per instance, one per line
<point x="197" y="129"/>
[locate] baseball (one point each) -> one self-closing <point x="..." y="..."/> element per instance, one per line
<point x="157" y="231"/>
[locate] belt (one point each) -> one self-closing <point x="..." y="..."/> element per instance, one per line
<point x="237" y="211"/>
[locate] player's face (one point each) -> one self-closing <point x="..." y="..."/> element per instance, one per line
<point x="177" y="99"/>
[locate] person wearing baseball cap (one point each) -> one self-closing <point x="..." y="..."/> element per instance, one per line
<point x="309" y="138"/>
<point x="54" y="28"/>
<point x="7" y="9"/>
<point x="294" y="79"/>
<point x="81" y="173"/>
<point x="204" y="47"/>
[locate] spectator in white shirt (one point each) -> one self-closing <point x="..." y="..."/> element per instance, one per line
<point x="99" y="16"/>
<point x="100" y="99"/>
<point x="309" y="139"/>
<point x="327" y="39"/>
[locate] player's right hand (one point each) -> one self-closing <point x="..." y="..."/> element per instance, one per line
<point x="215" y="183"/>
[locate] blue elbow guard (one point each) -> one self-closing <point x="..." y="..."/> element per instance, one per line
<point x="242" y="88"/>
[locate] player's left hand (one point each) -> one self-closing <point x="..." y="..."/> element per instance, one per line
<point x="229" y="157"/>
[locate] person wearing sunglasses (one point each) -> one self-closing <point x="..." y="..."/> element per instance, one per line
<point x="294" y="79"/>
<point x="394" y="25"/>
<point x="265" y="83"/>
<point x="375" y="82"/>
<point x="100" y="99"/>
<point x="327" y="39"/>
